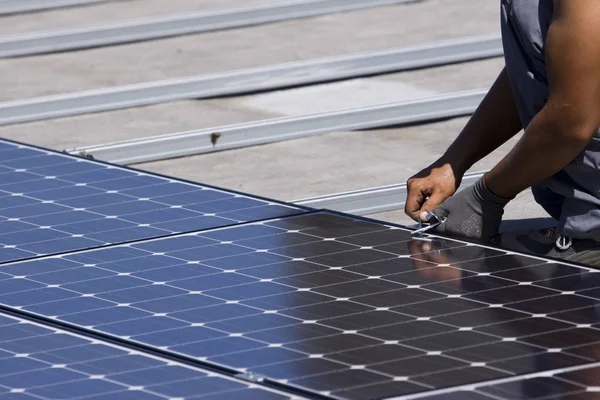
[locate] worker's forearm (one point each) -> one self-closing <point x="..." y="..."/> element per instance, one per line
<point x="550" y="142"/>
<point x="495" y="121"/>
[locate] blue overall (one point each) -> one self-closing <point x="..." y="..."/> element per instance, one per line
<point x="572" y="196"/>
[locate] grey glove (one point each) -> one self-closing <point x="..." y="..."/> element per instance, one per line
<point x="474" y="213"/>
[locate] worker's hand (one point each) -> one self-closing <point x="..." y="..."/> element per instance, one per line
<point x="429" y="188"/>
<point x="474" y="213"/>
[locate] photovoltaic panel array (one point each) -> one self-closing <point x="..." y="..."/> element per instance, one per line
<point x="51" y="203"/>
<point x="334" y="305"/>
<point x="37" y="362"/>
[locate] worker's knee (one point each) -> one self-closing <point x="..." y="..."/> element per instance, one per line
<point x="551" y="202"/>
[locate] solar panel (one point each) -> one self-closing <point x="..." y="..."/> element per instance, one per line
<point x="578" y="383"/>
<point x="335" y="305"/>
<point x="37" y="362"/>
<point x="52" y="203"/>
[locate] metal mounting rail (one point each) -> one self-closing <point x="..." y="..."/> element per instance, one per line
<point x="278" y="129"/>
<point x="251" y="80"/>
<point x="8" y="7"/>
<point x="372" y="200"/>
<point x="177" y="25"/>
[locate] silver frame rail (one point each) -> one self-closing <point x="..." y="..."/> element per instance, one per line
<point x="273" y="130"/>
<point x="177" y="25"/>
<point x="9" y="7"/>
<point x="371" y="201"/>
<point x="251" y="80"/>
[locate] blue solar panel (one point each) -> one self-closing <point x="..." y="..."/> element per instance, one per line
<point x="334" y="305"/>
<point x="52" y="203"/>
<point x="37" y="362"/>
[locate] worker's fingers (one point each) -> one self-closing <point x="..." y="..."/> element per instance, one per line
<point x="431" y="204"/>
<point x="414" y="200"/>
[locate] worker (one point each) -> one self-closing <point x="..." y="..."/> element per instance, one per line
<point x="549" y="88"/>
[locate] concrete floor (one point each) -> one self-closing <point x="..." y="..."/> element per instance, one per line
<point x="288" y="170"/>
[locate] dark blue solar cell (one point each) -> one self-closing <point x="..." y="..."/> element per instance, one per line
<point x="181" y="271"/>
<point x="124" y="184"/>
<point x="33" y="210"/>
<point x="106" y="284"/>
<point x="94" y="178"/>
<point x="66" y="193"/>
<point x="18" y="285"/>
<point x="14" y="226"/>
<point x="100" y="199"/>
<point x="42" y="343"/>
<point x="211" y="252"/>
<point x="76" y="389"/>
<point x="67" y="168"/>
<point x="105" y="316"/>
<point x="31" y="297"/>
<point x="195" y="223"/>
<point x="236" y="203"/>
<point x="16" y="332"/>
<point x="205" y="386"/>
<point x="61" y="245"/>
<point x="131" y="207"/>
<point x="210" y="282"/>
<point x="218" y="312"/>
<point x="14" y="254"/>
<point x="98" y="225"/>
<point x="215" y="347"/>
<point x="78" y="354"/>
<point x="65" y="307"/>
<point x="250" y="291"/>
<point x="39" y="161"/>
<point x="176" y="243"/>
<point x="157" y="216"/>
<point x="158" y="188"/>
<point x="41" y="378"/>
<point x="36" y="185"/>
<point x="61" y="218"/>
<point x="31" y="236"/>
<point x="155" y="376"/>
<point x="76" y="275"/>
<point x="178" y="303"/>
<point x="16" y="201"/>
<point x="144" y="262"/>
<point x="17" y="177"/>
<point x="141" y="326"/>
<point x="107" y="255"/>
<point x="259" y="213"/>
<point x="16" y="365"/>
<point x="145" y="293"/>
<point x="38" y="266"/>
<point x="193" y="197"/>
<point x="179" y="336"/>
<point x="245" y="261"/>
<point x="23" y="152"/>
<point x="254" y="358"/>
<point x="120" y="364"/>
<point x="129" y="395"/>
<point x="127" y="234"/>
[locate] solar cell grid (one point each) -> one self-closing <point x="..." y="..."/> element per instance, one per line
<point x="309" y="301"/>
<point x="52" y="203"/>
<point x="37" y="362"/>
<point x="577" y="383"/>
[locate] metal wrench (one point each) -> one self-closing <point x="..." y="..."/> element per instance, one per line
<point x="423" y="229"/>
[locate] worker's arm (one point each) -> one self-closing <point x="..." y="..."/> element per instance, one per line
<point x="571" y="116"/>
<point x="557" y="134"/>
<point x="494" y="122"/>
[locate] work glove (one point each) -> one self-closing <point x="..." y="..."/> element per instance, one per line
<point x="474" y="213"/>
